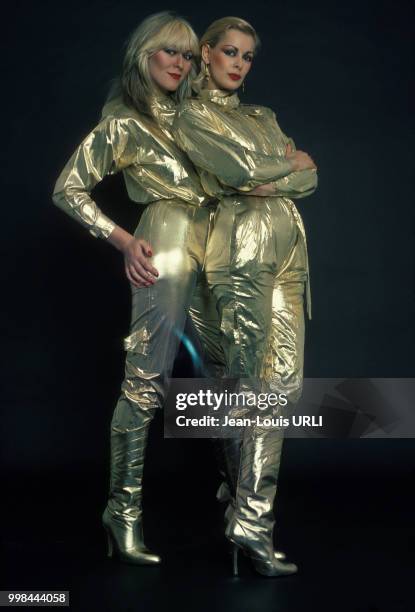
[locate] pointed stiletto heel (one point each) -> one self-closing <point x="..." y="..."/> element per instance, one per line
<point x="126" y="542"/>
<point x="250" y="528"/>
<point x="227" y="452"/>
<point x="266" y="564"/>
<point x="123" y="516"/>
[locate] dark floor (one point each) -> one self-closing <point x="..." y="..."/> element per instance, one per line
<point x="351" y="533"/>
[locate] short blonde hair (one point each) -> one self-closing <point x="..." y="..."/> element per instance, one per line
<point x="213" y="35"/>
<point x="156" y="32"/>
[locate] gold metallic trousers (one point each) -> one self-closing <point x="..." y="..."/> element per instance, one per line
<point x="178" y="234"/>
<point x="256" y="267"/>
<point x="250" y="322"/>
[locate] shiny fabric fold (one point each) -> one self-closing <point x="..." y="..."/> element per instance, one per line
<point x="178" y="234"/>
<point x="252" y="523"/>
<point x="177" y="222"/>
<point x="143" y="149"/>
<point x="257" y="269"/>
<point x="236" y="147"/>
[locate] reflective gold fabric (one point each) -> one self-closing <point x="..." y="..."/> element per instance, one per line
<point x="176" y="222"/>
<point x="178" y="234"/>
<point x="252" y="523"/>
<point x="256" y="267"/>
<point x="256" y="259"/>
<point x="237" y="147"/>
<point x="256" y="270"/>
<point x="143" y="149"/>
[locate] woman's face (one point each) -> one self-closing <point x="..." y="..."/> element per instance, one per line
<point x="169" y="67"/>
<point x="230" y="60"/>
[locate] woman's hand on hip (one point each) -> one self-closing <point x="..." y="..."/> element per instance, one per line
<point x="139" y="271"/>
<point x="136" y="253"/>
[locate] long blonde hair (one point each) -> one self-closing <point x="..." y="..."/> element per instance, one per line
<point x="158" y="31"/>
<point x="213" y="35"/>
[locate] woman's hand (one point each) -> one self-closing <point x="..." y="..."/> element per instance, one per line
<point x="263" y="190"/>
<point x="137" y="252"/>
<point x="299" y="159"/>
<point x="138" y="268"/>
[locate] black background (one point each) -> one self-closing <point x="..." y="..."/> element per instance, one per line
<point x="338" y="77"/>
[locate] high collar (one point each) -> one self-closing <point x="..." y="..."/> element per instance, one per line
<point x="225" y="99"/>
<point x="162" y="108"/>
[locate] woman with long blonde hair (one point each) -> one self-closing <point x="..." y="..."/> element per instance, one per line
<point x="256" y="267"/>
<point x="163" y="259"/>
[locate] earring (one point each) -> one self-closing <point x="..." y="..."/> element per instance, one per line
<point x="206" y="71"/>
<point x="243" y="86"/>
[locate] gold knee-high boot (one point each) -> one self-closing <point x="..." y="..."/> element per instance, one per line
<point x="122" y="517"/>
<point x="228" y="452"/>
<point x="251" y="526"/>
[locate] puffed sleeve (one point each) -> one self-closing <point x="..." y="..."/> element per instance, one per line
<point x="198" y="132"/>
<point x="298" y="184"/>
<point x="106" y="150"/>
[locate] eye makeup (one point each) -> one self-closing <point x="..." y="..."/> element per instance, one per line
<point x="232" y="51"/>
<point x="187" y="55"/>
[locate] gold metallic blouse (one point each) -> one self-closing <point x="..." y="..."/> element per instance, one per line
<point x="154" y="168"/>
<point x="237" y="147"/>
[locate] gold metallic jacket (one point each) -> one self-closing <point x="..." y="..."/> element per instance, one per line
<point x="153" y="166"/>
<point x="237" y="147"/>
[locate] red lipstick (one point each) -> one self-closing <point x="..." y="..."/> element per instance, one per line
<point x="234" y="77"/>
<point x="175" y="76"/>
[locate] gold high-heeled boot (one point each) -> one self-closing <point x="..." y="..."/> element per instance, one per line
<point x="251" y="526"/>
<point x="227" y="452"/>
<point x="122" y="518"/>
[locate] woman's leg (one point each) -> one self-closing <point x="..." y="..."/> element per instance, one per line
<point x="253" y="522"/>
<point x="251" y="525"/>
<point x="240" y="267"/>
<point x="240" y="270"/>
<point x="229" y="310"/>
<point x="158" y="317"/>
